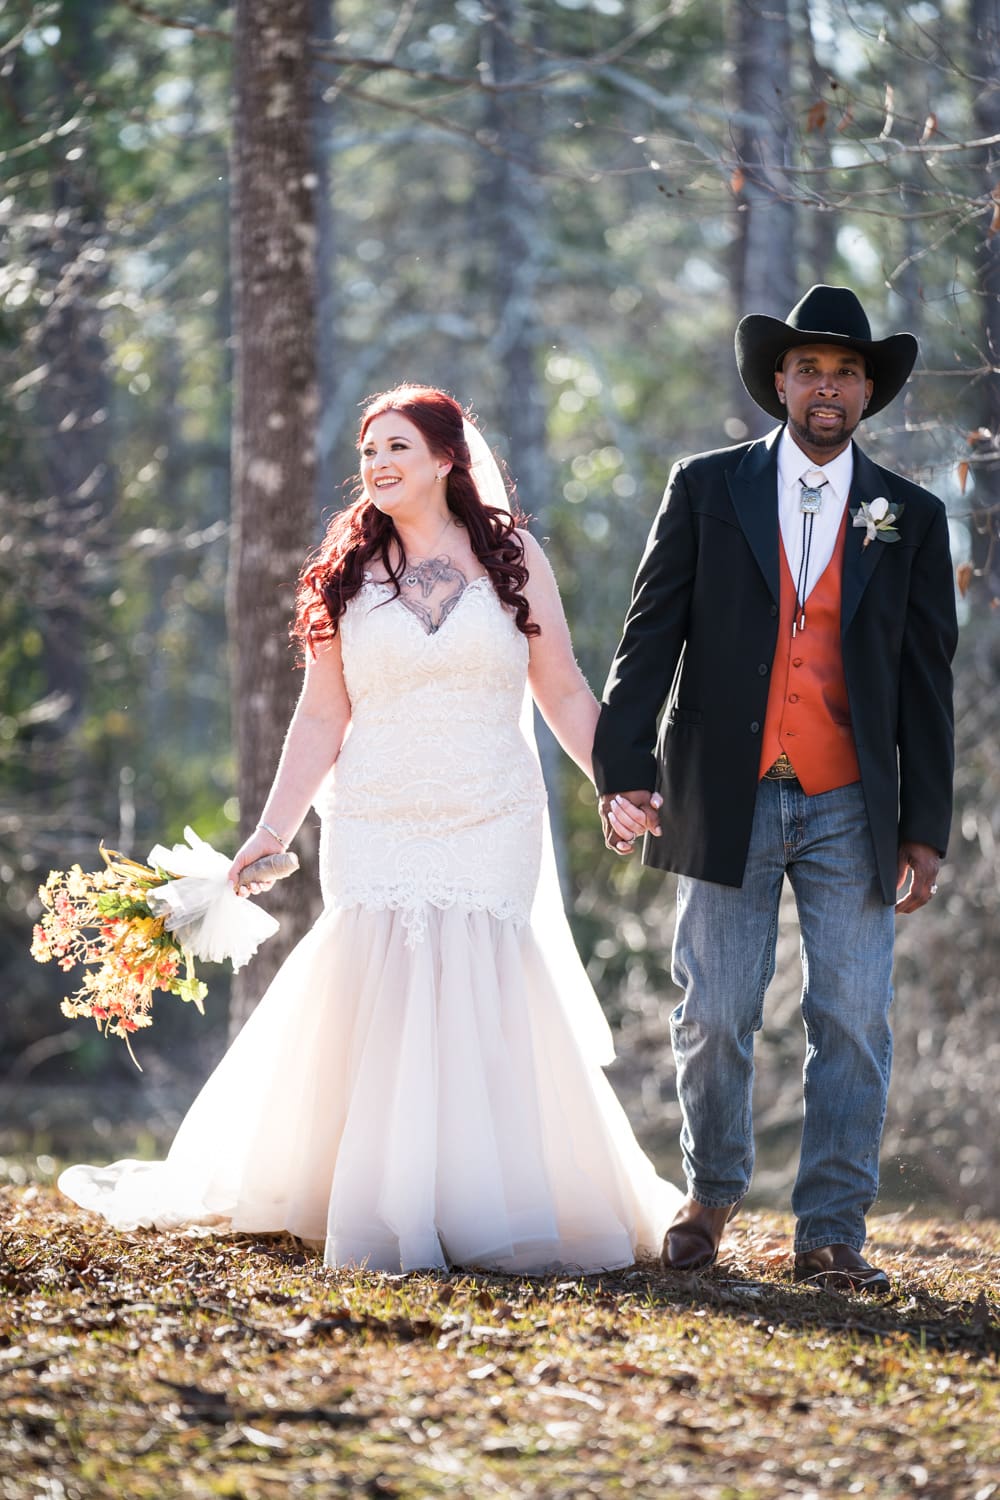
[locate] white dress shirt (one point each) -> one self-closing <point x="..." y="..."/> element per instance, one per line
<point x="793" y="465"/>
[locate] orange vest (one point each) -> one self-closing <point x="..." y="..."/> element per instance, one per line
<point x="808" y="714"/>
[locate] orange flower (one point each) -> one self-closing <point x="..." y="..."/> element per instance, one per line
<point x="102" y="920"/>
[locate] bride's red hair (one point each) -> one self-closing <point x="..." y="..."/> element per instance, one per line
<point x="361" y="533"/>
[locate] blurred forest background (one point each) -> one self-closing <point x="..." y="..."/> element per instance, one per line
<point x="223" y="228"/>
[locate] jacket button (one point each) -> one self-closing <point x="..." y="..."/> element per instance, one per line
<point x="762" y="669"/>
<point x="774" y="610"/>
<point x="754" y="727"/>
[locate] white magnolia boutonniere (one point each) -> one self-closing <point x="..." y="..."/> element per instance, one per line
<point x="879" y="519"/>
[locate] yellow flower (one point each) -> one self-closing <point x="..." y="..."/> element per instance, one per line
<point x="126" y="951"/>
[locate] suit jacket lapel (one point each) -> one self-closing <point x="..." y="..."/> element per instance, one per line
<point x="753" y="488"/>
<point x="860" y="561"/>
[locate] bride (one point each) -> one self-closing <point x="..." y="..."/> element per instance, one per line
<point x="421" y="1084"/>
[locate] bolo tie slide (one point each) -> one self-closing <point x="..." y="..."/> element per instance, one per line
<point x="810" y="504"/>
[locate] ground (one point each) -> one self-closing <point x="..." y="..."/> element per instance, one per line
<point x="149" y="1365"/>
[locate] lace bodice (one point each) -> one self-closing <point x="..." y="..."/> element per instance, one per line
<point x="436" y="798"/>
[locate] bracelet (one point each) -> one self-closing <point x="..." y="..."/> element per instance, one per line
<point x="273" y="832"/>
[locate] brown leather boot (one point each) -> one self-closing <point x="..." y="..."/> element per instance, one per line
<point x="692" y="1240"/>
<point x="838" y="1268"/>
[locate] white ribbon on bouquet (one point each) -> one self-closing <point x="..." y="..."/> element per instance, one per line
<point x="201" y="908"/>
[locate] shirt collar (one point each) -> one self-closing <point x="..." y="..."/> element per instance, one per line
<point x="792" y="464"/>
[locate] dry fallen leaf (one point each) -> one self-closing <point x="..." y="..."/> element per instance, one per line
<point x="261" y="1439"/>
<point x="995" y="221"/>
<point x="160" y="1352"/>
<point x="816" y="117"/>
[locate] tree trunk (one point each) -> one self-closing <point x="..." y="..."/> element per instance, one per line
<point x="819" y="232"/>
<point x="765" y="279"/>
<point x="984" y="63"/>
<point x="274" y="421"/>
<point x="328" y="492"/>
<point x="512" y="197"/>
<point x="73" y="411"/>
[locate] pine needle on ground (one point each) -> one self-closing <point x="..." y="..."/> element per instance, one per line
<point x="150" y="1365"/>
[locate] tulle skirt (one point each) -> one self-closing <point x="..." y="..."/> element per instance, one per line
<point x="408" y="1106"/>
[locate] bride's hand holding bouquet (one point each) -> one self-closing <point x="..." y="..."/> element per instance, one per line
<point x="138" y="928"/>
<point x="263" y="859"/>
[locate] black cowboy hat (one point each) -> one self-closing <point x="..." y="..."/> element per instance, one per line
<point x="825" y="315"/>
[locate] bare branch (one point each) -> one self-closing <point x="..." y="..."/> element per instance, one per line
<point x="45" y="139"/>
<point x="38" y="17"/>
<point x="946" y="60"/>
<point x="946" y="234"/>
<point x="406" y="13"/>
<point x="175" y="23"/>
<point x="482" y="139"/>
<point x="560" y="65"/>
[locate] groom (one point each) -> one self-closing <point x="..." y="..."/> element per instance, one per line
<point x="794" y="612"/>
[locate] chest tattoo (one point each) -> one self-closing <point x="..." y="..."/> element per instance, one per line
<point x="430" y="590"/>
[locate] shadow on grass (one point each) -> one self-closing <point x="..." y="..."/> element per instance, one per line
<point x="970" y="1325"/>
<point x="918" y="1314"/>
<point x="944" y="1296"/>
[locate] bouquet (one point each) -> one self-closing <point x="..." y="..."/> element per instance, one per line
<point x="139" y="928"/>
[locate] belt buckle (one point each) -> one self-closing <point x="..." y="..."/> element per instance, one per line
<point x="781" y="770"/>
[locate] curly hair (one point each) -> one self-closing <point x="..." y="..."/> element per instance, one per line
<point x="335" y="572"/>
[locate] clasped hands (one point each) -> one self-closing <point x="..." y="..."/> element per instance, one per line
<point x="626" y="815"/>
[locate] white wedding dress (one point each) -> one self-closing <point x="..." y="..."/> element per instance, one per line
<point x="421" y="1084"/>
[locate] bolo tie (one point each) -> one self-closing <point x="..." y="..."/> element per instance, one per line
<point x="810" y="504"/>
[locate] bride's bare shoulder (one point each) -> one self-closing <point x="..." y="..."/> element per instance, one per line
<point x="534" y="553"/>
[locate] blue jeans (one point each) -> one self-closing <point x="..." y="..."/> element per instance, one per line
<point x="723" y="959"/>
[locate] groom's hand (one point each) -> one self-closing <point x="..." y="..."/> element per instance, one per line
<point x="626" y="815"/>
<point x="916" y="876"/>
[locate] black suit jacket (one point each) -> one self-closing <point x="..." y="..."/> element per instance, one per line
<point x="701" y="632"/>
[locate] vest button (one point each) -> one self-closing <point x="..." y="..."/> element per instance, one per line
<point x="793" y="697"/>
<point x="754" y="727"/>
<point x="796" y="661"/>
<point x="762" y="669"/>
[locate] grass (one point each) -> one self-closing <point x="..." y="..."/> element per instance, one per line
<point x="151" y="1365"/>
